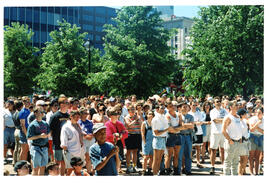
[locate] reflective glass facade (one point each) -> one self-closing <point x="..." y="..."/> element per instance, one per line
<point x="43" y="20"/>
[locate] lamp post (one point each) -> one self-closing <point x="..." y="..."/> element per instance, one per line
<point x="87" y="45"/>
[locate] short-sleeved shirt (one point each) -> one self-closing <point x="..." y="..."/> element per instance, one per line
<point x="86" y="126"/>
<point x="187" y="119"/>
<point x="23" y="114"/>
<point x="8" y="119"/>
<point x="216" y="128"/>
<point x="160" y="122"/>
<point x="58" y="119"/>
<point x="253" y="120"/>
<point x="37" y="128"/>
<point x="197" y="117"/>
<point x="97" y="154"/>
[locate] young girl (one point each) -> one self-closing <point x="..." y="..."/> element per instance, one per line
<point x="147" y="138"/>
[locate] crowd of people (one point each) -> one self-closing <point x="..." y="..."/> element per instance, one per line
<point x="97" y="135"/>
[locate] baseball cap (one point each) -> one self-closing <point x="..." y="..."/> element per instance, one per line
<point x="241" y="112"/>
<point x="112" y="99"/>
<point x="97" y="127"/>
<point x="10" y="102"/>
<point x="40" y="102"/>
<point x="19" y="165"/>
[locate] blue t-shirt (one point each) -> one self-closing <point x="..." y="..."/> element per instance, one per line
<point x="86" y="126"/>
<point x="36" y="128"/>
<point x="23" y="114"/>
<point x="97" y="153"/>
<point x="187" y="119"/>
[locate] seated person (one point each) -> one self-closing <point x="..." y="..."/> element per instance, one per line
<point x="52" y="169"/>
<point x="77" y="163"/>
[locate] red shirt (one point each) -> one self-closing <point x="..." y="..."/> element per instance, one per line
<point x="118" y="127"/>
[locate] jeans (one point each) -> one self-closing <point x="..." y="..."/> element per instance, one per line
<point x="232" y="154"/>
<point x="186" y="148"/>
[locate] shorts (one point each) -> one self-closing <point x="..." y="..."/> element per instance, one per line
<point x="58" y="155"/>
<point x="199" y="140"/>
<point x="87" y="144"/>
<point x="68" y="156"/>
<point x="9" y="136"/>
<point x="217" y="140"/>
<point x="39" y="156"/>
<point x="254" y="146"/>
<point x="206" y="138"/>
<point x="159" y="143"/>
<point x="23" y="139"/>
<point x="133" y="141"/>
<point x="173" y="140"/>
<point x="147" y="148"/>
<point x="244" y="148"/>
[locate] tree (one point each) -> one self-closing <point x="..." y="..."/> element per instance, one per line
<point x="137" y="59"/>
<point x="21" y="64"/>
<point x="64" y="65"/>
<point x="226" y="55"/>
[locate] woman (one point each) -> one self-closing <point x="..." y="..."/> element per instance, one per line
<point x="147" y="138"/>
<point x="207" y="107"/>
<point x="100" y="116"/>
<point x="77" y="164"/>
<point x="256" y="140"/>
<point x="245" y="142"/>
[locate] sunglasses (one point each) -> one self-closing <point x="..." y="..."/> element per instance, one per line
<point x="218" y="101"/>
<point x="79" y="164"/>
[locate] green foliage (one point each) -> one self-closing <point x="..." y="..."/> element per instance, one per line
<point x="226" y="56"/>
<point x="64" y="67"/>
<point x="20" y="63"/>
<point x="137" y="59"/>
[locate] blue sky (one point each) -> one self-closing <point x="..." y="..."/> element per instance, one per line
<point x="186" y="11"/>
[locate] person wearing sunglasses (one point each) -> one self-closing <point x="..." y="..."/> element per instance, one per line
<point x="22" y="168"/>
<point x="100" y="116"/>
<point x="77" y="164"/>
<point x="216" y="138"/>
<point x="52" y="169"/>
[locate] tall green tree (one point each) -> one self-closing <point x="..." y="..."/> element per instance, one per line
<point x="137" y="59"/>
<point x="21" y="64"/>
<point x="226" y="55"/>
<point x="64" y="65"/>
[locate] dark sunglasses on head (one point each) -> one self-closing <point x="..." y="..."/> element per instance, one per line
<point x="79" y="164"/>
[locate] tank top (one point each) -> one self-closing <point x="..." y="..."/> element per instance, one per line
<point x="234" y="130"/>
<point x="174" y="121"/>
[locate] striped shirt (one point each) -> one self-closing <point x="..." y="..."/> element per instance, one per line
<point x="135" y="128"/>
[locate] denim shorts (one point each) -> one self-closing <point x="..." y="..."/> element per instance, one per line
<point x="23" y="139"/>
<point x="9" y="135"/>
<point x="173" y="140"/>
<point x="39" y="156"/>
<point x="58" y="155"/>
<point x="159" y="143"/>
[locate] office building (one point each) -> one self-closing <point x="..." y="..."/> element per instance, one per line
<point x="43" y="20"/>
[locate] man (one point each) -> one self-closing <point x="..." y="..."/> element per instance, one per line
<point x="104" y="155"/>
<point x="32" y="117"/>
<point x="57" y="120"/>
<point x="9" y="127"/>
<point x="186" y="139"/>
<point x="38" y="132"/>
<point x="232" y="131"/>
<point x="160" y="128"/>
<point x="72" y="140"/>
<point x="216" y="139"/>
<point x="23" y="115"/>
<point x="22" y="168"/>
<point x="18" y="107"/>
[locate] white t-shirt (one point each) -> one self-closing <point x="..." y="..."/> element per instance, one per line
<point x="253" y="120"/>
<point x="197" y="115"/>
<point x="159" y="122"/>
<point x="8" y="118"/>
<point x="216" y="128"/>
<point x="234" y="129"/>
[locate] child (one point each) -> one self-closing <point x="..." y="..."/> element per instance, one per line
<point x="77" y="164"/>
<point x="104" y="155"/>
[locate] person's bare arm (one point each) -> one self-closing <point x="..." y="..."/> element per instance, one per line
<point x="105" y="160"/>
<point x="226" y="123"/>
<point x="143" y="132"/>
<point x="23" y="126"/>
<point x="218" y="120"/>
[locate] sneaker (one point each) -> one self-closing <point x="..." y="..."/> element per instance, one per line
<point x="144" y="173"/>
<point x="149" y="171"/>
<point x="129" y="170"/>
<point x="163" y="172"/>
<point x="134" y="169"/>
<point x="175" y="171"/>
<point x="184" y="171"/>
<point x="212" y="171"/>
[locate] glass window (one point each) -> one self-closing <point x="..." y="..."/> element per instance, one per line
<point x="22" y="14"/>
<point x="36" y="37"/>
<point x="50" y="28"/>
<point x="51" y="9"/>
<point x="64" y="11"/>
<point x="48" y="36"/>
<point x="13" y="13"/>
<point x="70" y="19"/>
<point x="101" y="10"/>
<point x="100" y="20"/>
<point x="36" y="16"/>
<point x="57" y="10"/>
<point x="36" y="26"/>
<point x="88" y="17"/>
<point x="88" y="27"/>
<point x="43" y="17"/>
<point x="56" y="18"/>
<point x="43" y="37"/>
<point x="44" y="27"/>
<point x="50" y="18"/>
<point x="28" y="14"/>
<point x="6" y="13"/>
<point x="99" y="28"/>
<point x="98" y="38"/>
<point x="70" y="11"/>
